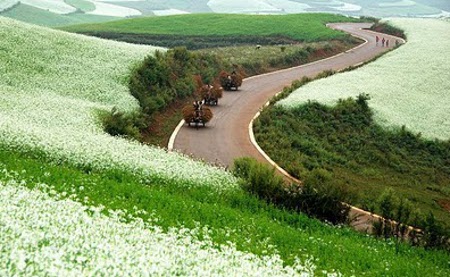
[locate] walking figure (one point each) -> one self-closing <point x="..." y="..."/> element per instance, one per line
<point x="376" y="40"/>
<point x="382" y="42"/>
<point x="387" y="43"/>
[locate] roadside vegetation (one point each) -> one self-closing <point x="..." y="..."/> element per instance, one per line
<point x="326" y="128"/>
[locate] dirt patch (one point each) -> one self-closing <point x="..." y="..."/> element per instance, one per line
<point x="445" y="204"/>
<point x="162" y="124"/>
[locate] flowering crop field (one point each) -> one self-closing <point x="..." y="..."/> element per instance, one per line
<point x="44" y="236"/>
<point x="408" y="86"/>
<point x="61" y="218"/>
<point x="53" y="85"/>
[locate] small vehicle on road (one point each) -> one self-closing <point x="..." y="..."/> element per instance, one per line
<point x="230" y="81"/>
<point x="196" y="114"/>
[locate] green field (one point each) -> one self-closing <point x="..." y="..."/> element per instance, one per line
<point x="42" y="17"/>
<point x="301" y="27"/>
<point x="232" y="217"/>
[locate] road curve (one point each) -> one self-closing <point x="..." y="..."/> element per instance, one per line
<point x="226" y="136"/>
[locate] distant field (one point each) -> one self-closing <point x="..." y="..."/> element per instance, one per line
<point x="42" y="17"/>
<point x="302" y="27"/>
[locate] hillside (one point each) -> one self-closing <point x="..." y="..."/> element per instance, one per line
<point x="407" y="87"/>
<point x="65" y="12"/>
<point x="399" y="142"/>
<point x="76" y="201"/>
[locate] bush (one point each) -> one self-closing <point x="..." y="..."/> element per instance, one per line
<point x="322" y="199"/>
<point x="383" y="27"/>
<point x="117" y="123"/>
<point x="259" y="179"/>
<point x="314" y="198"/>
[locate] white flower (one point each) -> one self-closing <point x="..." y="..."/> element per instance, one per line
<point x="408" y="86"/>
<point x="46" y="237"/>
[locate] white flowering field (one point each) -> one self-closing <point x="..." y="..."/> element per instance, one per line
<point x="107" y="9"/>
<point x="53" y="85"/>
<point x="408" y="86"/>
<point x="44" y="236"/>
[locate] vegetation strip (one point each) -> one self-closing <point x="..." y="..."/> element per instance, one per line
<point x="435" y="187"/>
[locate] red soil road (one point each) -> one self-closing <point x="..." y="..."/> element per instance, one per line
<point x="226" y="137"/>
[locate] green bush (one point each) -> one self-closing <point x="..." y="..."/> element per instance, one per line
<point x="322" y="199"/>
<point x="315" y="197"/>
<point x="117" y="123"/>
<point x="259" y="179"/>
<point x="386" y="28"/>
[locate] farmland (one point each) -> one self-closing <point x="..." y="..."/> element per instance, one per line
<point x="85" y="11"/>
<point x="400" y="99"/>
<point x="400" y="143"/>
<point x="313" y="26"/>
<point x="86" y="190"/>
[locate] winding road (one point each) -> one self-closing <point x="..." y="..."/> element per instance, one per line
<point x="227" y="137"/>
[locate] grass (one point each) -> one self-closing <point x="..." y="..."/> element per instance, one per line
<point x="312" y="26"/>
<point x="233" y="216"/>
<point x="357" y="154"/>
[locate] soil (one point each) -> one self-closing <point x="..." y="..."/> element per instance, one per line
<point x="445" y="204"/>
<point x="162" y="124"/>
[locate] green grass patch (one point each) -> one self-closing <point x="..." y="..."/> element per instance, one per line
<point x="235" y="217"/>
<point x="360" y="155"/>
<point x="300" y="27"/>
<point x="81" y="5"/>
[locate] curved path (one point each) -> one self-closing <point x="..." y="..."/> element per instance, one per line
<point x="226" y="136"/>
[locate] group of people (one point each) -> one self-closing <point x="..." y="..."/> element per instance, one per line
<point x="383" y="41"/>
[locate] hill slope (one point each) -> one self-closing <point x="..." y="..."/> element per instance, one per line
<point x="50" y="140"/>
<point x="407" y="87"/>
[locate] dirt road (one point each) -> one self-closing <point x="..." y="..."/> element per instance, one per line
<point x="226" y="136"/>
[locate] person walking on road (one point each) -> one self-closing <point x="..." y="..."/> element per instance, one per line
<point x="376" y="40"/>
<point x="387" y="43"/>
<point x="382" y="42"/>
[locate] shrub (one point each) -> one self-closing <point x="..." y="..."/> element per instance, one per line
<point x="314" y="198"/>
<point x="259" y="179"/>
<point x="117" y="123"/>
<point x="386" y="28"/>
<point x="322" y="199"/>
